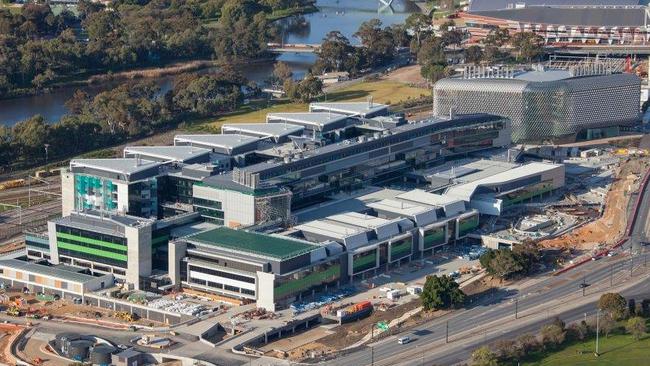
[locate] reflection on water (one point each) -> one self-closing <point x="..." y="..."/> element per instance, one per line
<point x="344" y="16"/>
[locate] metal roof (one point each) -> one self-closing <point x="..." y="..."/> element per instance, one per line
<point x="275" y="130"/>
<point x="172" y="153"/>
<point x="483" y="5"/>
<point x="253" y="243"/>
<point x="67" y="273"/>
<point x="427" y="198"/>
<point x="317" y="119"/>
<point x="350" y="108"/>
<point x="217" y="140"/>
<point x="466" y="190"/>
<point x="582" y="16"/>
<point x="399" y="207"/>
<point x="125" y="166"/>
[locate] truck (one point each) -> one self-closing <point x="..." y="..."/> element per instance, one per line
<point x="354" y="312"/>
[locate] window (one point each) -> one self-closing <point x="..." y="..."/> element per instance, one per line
<point x="231" y="288"/>
<point x="223" y="274"/>
<point x="248" y="292"/>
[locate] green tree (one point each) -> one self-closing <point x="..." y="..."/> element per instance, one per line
<point x="529" y="45"/>
<point x="636" y="327"/>
<point x="441" y="293"/>
<point x="483" y="356"/>
<point x="419" y="24"/>
<point x="552" y="335"/>
<point x="282" y="71"/>
<point x="473" y="54"/>
<point x="614" y="304"/>
<point x="498" y="37"/>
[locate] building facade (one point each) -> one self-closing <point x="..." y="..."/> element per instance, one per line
<point x="547" y="104"/>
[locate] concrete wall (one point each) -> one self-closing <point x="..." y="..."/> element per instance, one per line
<point x="67" y="192"/>
<point x="177" y="250"/>
<point x="54" y="250"/>
<point x="265" y="291"/>
<point x="138" y="254"/>
<point x="238" y="208"/>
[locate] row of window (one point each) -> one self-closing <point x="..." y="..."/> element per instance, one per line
<point x="228" y="275"/>
<point x="92" y="258"/>
<point x="90" y="235"/>
<point x="217" y="285"/>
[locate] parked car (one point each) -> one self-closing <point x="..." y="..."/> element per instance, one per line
<point x="404" y="340"/>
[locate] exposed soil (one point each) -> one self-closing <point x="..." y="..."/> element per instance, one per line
<point x="609" y="228"/>
<point x="408" y="75"/>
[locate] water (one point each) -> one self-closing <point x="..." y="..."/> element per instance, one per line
<point x="344" y="16"/>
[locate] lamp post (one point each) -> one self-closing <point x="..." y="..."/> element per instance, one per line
<point x="47" y="147"/>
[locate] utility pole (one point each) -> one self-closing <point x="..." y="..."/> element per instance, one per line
<point x="47" y="146"/>
<point x="631" y="265"/>
<point x="372" y="355"/>
<point x="597" y="331"/>
<point x="516" y="308"/>
<point x="447" y="332"/>
<point x="611" y="275"/>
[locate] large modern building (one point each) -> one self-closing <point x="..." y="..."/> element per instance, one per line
<point x="546" y="104"/>
<point x="562" y="21"/>
<point x="245" y="266"/>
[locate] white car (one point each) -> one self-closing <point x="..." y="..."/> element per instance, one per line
<point x="404" y="340"/>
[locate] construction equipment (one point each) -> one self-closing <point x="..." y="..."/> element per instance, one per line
<point x="126" y="316"/>
<point x="13" y="310"/>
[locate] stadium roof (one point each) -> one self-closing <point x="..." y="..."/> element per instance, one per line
<point x="593" y="17"/>
<point x="484" y="5"/>
<point x="172" y="153"/>
<point x="253" y="243"/>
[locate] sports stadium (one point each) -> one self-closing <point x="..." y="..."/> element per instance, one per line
<point x="563" y="21"/>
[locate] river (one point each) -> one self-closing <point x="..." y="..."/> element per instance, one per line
<point x="344" y="16"/>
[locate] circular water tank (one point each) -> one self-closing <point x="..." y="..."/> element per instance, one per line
<point x="101" y="354"/>
<point x="78" y="350"/>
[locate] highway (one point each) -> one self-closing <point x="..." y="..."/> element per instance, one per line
<point x="537" y="301"/>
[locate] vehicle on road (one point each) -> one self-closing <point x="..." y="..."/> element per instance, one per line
<point x="404" y="340"/>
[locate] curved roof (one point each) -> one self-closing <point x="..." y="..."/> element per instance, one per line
<point x="581" y="16"/>
<point x="484" y="5"/>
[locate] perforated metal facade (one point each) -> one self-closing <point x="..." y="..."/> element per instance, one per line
<point x="547" y="109"/>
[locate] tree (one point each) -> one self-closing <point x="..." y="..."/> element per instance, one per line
<point x="501" y="263"/>
<point x="473" y="54"/>
<point x="418" y="24"/>
<point x="606" y="324"/>
<point x="614" y="304"/>
<point x="441" y="293"/>
<point x="433" y="71"/>
<point x="636" y="327"/>
<point x="497" y="37"/>
<point x="552" y="335"/>
<point x="334" y="53"/>
<point x="529" y="45"/>
<point x="452" y="38"/>
<point x="506" y="349"/>
<point x="378" y="43"/>
<point x="282" y="71"/>
<point x="484" y="357"/>
<point x="527" y="343"/>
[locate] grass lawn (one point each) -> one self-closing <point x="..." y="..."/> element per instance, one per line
<point x="383" y="91"/>
<point x="617" y="350"/>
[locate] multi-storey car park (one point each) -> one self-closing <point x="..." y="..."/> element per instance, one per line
<point x="196" y="212"/>
<point x="544" y="104"/>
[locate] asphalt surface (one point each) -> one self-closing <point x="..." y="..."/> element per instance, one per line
<point x="480" y="321"/>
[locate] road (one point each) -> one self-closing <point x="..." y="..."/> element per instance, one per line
<point x="536" y="302"/>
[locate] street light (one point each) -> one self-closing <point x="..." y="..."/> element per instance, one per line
<point x="47" y="146"/>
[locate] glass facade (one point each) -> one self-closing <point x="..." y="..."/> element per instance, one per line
<point x="364" y="261"/>
<point x="433" y="237"/>
<point x="95" y="247"/>
<point x="94" y="193"/>
<point x="545" y="109"/>
<point x="466" y="225"/>
<point x="308" y="279"/>
<point x="401" y="248"/>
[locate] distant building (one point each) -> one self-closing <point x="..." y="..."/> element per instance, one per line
<point x="562" y="21"/>
<point x="334" y="77"/>
<point x="545" y="104"/>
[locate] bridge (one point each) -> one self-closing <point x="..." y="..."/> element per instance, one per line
<point x="292" y="47"/>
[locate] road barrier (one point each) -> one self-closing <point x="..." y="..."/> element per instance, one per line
<point x="628" y="230"/>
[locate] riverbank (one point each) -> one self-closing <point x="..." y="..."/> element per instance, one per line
<point x="285" y="13"/>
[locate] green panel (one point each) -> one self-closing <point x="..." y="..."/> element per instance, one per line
<point x="365" y="262"/>
<point x="467" y="225"/>
<point x="97" y="252"/>
<point x="400" y="250"/>
<point x="313" y="279"/>
<point x="91" y="241"/>
<point x="434" y="237"/>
